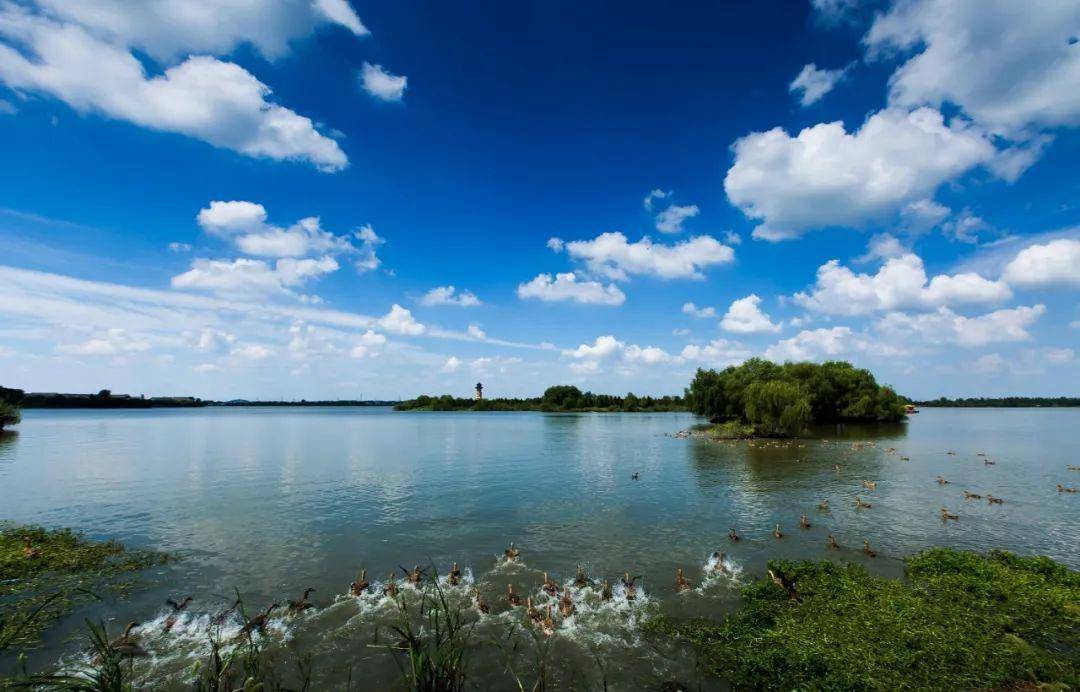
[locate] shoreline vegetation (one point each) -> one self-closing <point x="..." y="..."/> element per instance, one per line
<point x="1002" y="402"/>
<point x="763" y="399"/>
<point x="557" y="399"/>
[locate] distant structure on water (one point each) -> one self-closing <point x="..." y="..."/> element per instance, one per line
<point x="479" y="391"/>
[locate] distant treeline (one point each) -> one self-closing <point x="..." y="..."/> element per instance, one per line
<point x="106" y="399"/>
<point x="557" y="399"/>
<point x="1002" y="402"/>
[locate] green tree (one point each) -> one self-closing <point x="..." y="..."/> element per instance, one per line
<point x="777" y="408"/>
<point x="9" y="414"/>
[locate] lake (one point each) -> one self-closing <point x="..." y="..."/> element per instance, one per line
<point x="272" y="500"/>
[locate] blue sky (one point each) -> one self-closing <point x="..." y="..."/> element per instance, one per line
<point x="272" y="198"/>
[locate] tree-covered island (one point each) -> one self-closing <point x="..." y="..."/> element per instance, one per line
<point x="766" y="399"/>
<point x="557" y="399"/>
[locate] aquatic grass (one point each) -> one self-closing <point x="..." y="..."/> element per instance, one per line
<point x="48" y="573"/>
<point x="961" y="620"/>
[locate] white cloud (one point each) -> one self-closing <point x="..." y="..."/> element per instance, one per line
<point x="1056" y="262"/>
<point x="603" y="347"/>
<point x="225" y="219"/>
<point x="381" y="84"/>
<point x="732" y="238"/>
<point x="834" y="11"/>
<point x="448" y="295"/>
<point x="367" y="343"/>
<point x="567" y="287"/>
<point x="946" y="327"/>
<point x="700" y="313"/>
<point x="671" y="219"/>
<point x="815" y="344"/>
<point x="901" y="282"/>
<point x="744" y="316"/>
<point x="368" y="260"/>
<point x="1012" y="67"/>
<point x="989" y="364"/>
<point x="826" y="176"/>
<point x="650" y="355"/>
<point x="882" y="246"/>
<point x="922" y="215"/>
<point x="400" y="321"/>
<point x="179" y="247"/>
<point x="1059" y="356"/>
<point x="813" y="83"/>
<point x="608" y="347"/>
<point x="244" y="224"/>
<point x="217" y="102"/>
<point x="653" y="196"/>
<point x="207" y="368"/>
<point x="716" y="353"/>
<point x="341" y="12"/>
<point x="7" y="108"/>
<point x="965" y="227"/>
<point x="252" y="352"/>
<point x="476" y="332"/>
<point x="245" y="276"/>
<point x="452" y="364"/>
<point x="112" y="343"/>
<point x="611" y="255"/>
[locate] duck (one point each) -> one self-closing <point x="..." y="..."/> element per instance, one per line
<point x="303" y="603"/>
<point x="547" y="625"/>
<point x="512" y="598"/>
<point x="481" y="605"/>
<point x="952" y="454"/>
<point x="635" y="476"/>
<point x="566" y="605"/>
<point x="391" y="588"/>
<point x="718" y="562"/>
<point x="454" y="578"/>
<point x="415" y="575"/>
<point x="732" y="534"/>
<point x="836" y="467"/>
<point x="511" y="553"/>
<point x="681" y="582"/>
<point x="870" y="485"/>
<point x="175" y="614"/>
<point x="777" y="532"/>
<point x="804" y="522"/>
<point x="859" y="504"/>
<point x="942" y="481"/>
<point x="532" y="611"/>
<point x="945" y="516"/>
<point x="867" y="549"/>
<point x="971" y="496"/>
<point x="360" y="586"/>
<point x="258" y="623"/>
<point x="220" y="617"/>
<point x="1072" y="468"/>
<point x="1063" y="489"/>
<point x="994" y="500"/>
<point x="580" y="579"/>
<point x="550" y="586"/>
<point x="905" y="458"/>
<point x="29" y="551"/>
<point x="126" y="645"/>
<point x="628" y="586"/>
<point x="606" y="593"/>
<point x="787" y="584"/>
<point x="989" y="463"/>
<point x="832" y="542"/>
<point x="823" y="506"/>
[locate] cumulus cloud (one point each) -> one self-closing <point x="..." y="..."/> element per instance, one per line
<point x="113" y="342"/>
<point x="400" y="321"/>
<point x="452" y="364"/>
<point x="716" y="353"/>
<point x="816" y="344"/>
<point x="671" y="219"/>
<point x="826" y="176"/>
<point x="381" y="84"/>
<point x="608" y="348"/>
<point x="1054" y="263"/>
<point x="567" y="287"/>
<point x="653" y="196"/>
<point x="246" y="277"/>
<point x="1011" y="68"/>
<point x="612" y="255"/>
<point x="252" y="352"/>
<point x="901" y="282"/>
<point x="812" y="83"/>
<point x="217" y="102"/>
<point x="448" y="295"/>
<point x="744" y="316"/>
<point x="946" y="327"/>
<point x="367" y="344"/>
<point x="965" y="227"/>
<point x="179" y="247"/>
<point x="700" y="313"/>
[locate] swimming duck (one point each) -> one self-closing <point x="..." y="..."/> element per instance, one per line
<point x="605" y="591"/>
<point x="177" y="607"/>
<point x="635" y="476"/>
<point x="580" y="580"/>
<point x="550" y="586"/>
<point x="905" y="458"/>
<point x="823" y="506"/>
<point x="511" y="553"/>
<point x="512" y="598"/>
<point x="531" y="610"/>
<point x="481" y="605"/>
<point x="718" y="562"/>
<point x="566" y="605"/>
<point x="547" y="625"/>
<point x="804" y="522"/>
<point x="29" y="551"/>
<point x="454" y="578"/>
<point x="870" y="485"/>
<point x="833" y="543"/>
<point x="971" y="496"/>
<point x="836" y="467"/>
<point x="1072" y="468"/>
<point x="867" y="549"/>
<point x="359" y="586"/>
<point x="941" y="481"/>
<point x="1062" y="489"/>
<point x="628" y="586"/>
<point x="391" y="588"/>
<point x="777" y="532"/>
<point x="945" y="516"/>
<point x="952" y="454"/>
<point x="415" y="575"/>
<point x="303" y="603"/>
<point x="220" y="617"/>
<point x="681" y="582"/>
<point x="126" y="645"/>
<point x="258" y="623"/>
<point x="994" y="500"/>
<point x="732" y="535"/>
<point x="859" y="504"/>
<point x="989" y="463"/>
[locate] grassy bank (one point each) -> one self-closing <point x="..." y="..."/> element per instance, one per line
<point x="959" y="621"/>
<point x="45" y="574"/>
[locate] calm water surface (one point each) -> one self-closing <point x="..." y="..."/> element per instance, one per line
<point x="270" y="501"/>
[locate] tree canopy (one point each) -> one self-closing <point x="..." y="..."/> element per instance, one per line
<point x="785" y="399"/>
